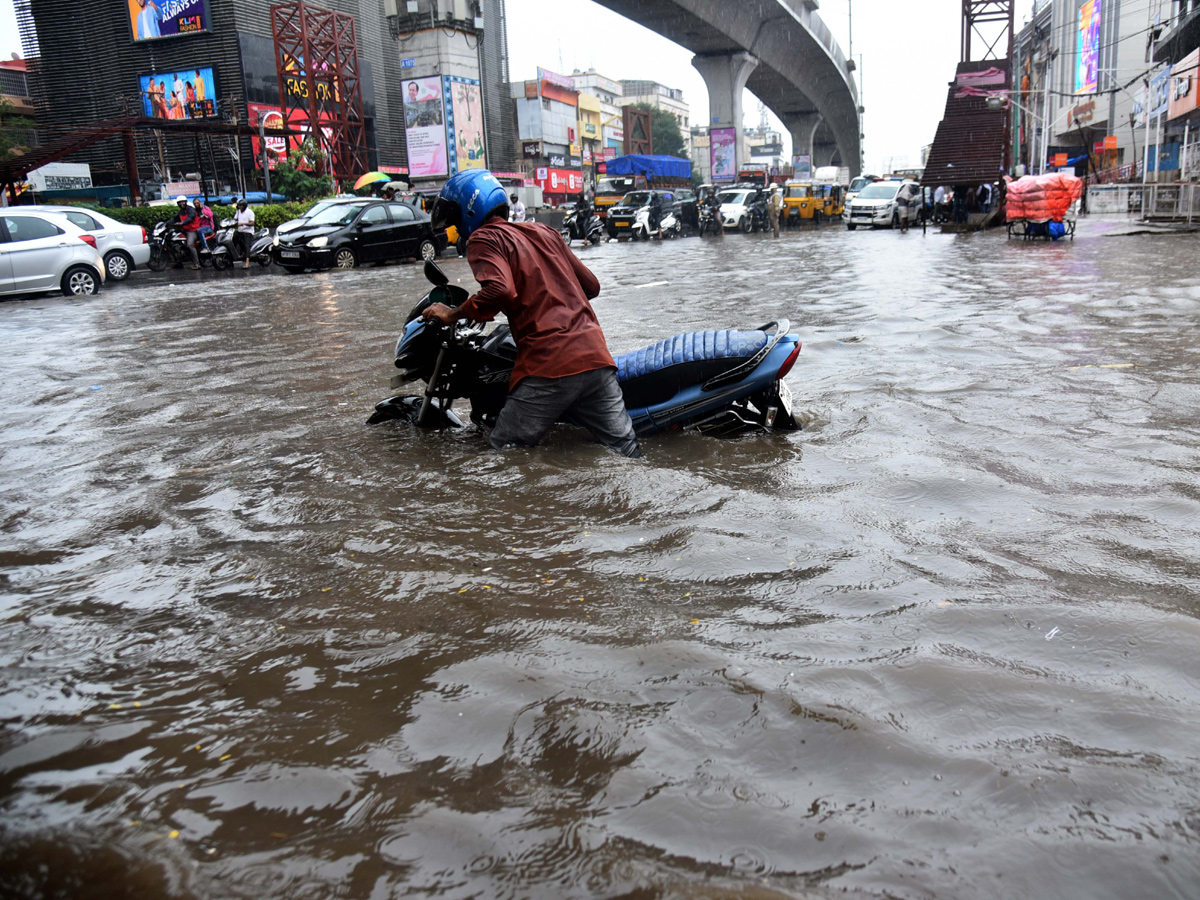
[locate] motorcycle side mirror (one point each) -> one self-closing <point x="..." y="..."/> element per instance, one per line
<point x="434" y="275"/>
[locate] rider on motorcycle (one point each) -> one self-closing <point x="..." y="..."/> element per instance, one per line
<point x="518" y="208"/>
<point x="188" y="222"/>
<point x="563" y="369"/>
<point x="583" y="215"/>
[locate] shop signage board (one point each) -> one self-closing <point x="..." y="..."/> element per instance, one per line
<point x="531" y="149"/>
<point x="394" y="170"/>
<point x="186" y="94"/>
<point x="1110" y="142"/>
<point x="153" y="19"/>
<point x="559" y="181"/>
<point x="1160" y="92"/>
<point x="556" y="160"/>
<point x="1185" y="87"/>
<point x="174" y="188"/>
<point x="1060" y="159"/>
<point x="547" y="77"/>
<point x="425" y="127"/>
<point x="272" y="117"/>
<point x="60" y="176"/>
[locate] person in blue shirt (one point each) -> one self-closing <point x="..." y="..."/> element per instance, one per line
<point x="147" y="20"/>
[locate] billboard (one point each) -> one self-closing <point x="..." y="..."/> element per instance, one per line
<point x="464" y="123"/>
<point x="186" y="94"/>
<point x="802" y="166"/>
<point x="150" y="19"/>
<point x="424" y="126"/>
<point x="1087" y="48"/>
<point x="722" y="145"/>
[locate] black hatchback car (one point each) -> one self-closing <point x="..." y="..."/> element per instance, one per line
<point x="347" y="234"/>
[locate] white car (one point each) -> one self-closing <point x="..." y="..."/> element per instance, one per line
<point x="735" y="207"/>
<point x="44" y="251"/>
<point x="876" y="205"/>
<point x="123" y="247"/>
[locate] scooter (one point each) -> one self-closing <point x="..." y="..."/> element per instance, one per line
<point x="670" y="226"/>
<point x="712" y="382"/>
<point x="573" y="229"/>
<point x="227" y="252"/>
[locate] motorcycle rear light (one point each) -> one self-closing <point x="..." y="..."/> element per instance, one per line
<point x="145" y="240"/>
<point x="788" y="363"/>
<point x="88" y="239"/>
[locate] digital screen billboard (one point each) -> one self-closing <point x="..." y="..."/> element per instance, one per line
<point x="1087" y="48"/>
<point x="424" y="126"/>
<point x="152" y="19"/>
<point x="186" y="94"/>
<point x="464" y="123"/>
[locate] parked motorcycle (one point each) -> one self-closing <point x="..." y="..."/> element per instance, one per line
<point x="713" y="382"/>
<point x="670" y="226"/>
<point x="576" y="228"/>
<point x="227" y="251"/>
<point x="168" y="247"/>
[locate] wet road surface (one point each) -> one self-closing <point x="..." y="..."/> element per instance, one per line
<point x="941" y="643"/>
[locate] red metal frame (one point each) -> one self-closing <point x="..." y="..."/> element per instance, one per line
<point x="317" y="48"/>
<point x="983" y="12"/>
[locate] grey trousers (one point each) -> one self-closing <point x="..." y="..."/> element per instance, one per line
<point x="591" y="400"/>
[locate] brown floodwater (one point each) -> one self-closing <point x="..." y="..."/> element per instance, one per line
<point x="941" y="643"/>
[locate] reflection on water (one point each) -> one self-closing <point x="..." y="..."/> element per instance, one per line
<point x="942" y="642"/>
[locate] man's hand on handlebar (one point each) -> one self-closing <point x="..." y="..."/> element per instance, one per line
<point x="447" y="315"/>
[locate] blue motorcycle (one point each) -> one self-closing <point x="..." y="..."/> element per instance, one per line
<point x="713" y="382"/>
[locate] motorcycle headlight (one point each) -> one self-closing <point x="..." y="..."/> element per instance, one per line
<point x="318" y="242"/>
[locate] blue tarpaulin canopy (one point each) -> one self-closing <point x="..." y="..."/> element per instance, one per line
<point x="650" y="166"/>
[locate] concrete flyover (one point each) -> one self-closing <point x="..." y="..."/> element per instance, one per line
<point x="781" y="51"/>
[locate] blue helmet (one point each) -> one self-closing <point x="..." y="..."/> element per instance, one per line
<point x="466" y="200"/>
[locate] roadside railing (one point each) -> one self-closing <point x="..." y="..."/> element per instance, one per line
<point x="1176" y="202"/>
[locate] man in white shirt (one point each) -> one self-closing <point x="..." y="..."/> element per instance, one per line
<point x="245" y="231"/>
<point x="181" y="92"/>
<point x="517" y="208"/>
<point x="939" y="201"/>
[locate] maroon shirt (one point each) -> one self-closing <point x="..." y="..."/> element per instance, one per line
<point x="530" y="275"/>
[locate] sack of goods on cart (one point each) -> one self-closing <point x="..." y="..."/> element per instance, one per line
<point x="1043" y="205"/>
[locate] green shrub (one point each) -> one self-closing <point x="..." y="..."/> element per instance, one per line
<point x="270" y="215"/>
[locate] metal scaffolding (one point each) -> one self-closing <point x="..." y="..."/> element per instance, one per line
<point x="320" y="90"/>
<point x="996" y="36"/>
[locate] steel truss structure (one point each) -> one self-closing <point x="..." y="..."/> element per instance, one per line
<point x="997" y="40"/>
<point x="316" y="59"/>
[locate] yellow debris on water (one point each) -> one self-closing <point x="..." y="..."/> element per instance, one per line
<point x="225" y="757"/>
<point x="174" y="834"/>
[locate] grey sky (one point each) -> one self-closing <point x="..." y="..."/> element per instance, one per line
<point x="909" y="49"/>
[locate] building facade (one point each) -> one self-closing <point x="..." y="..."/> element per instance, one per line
<point x="662" y="97"/>
<point x="129" y="58"/>
<point x="1092" y="81"/>
<point x="611" y="97"/>
<point x="547" y="133"/>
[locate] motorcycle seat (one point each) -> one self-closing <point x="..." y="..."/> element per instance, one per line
<point x="656" y="373"/>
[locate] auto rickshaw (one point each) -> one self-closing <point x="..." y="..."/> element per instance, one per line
<point x="830" y="198"/>
<point x="799" y="202"/>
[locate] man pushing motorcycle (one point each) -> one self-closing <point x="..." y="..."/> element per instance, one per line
<point x="563" y="370"/>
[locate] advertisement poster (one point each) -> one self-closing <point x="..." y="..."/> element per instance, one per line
<point x="464" y="123"/>
<point x="276" y="148"/>
<point x="188" y="94"/>
<point x="723" y="142"/>
<point x="1185" y="87"/>
<point x="1087" y="48"/>
<point x="424" y="127"/>
<point x="150" y="19"/>
<point x="802" y="166"/>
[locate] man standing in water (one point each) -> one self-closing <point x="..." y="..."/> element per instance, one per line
<point x="563" y="369"/>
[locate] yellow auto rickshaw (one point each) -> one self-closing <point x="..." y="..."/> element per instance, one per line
<point x="830" y="198"/>
<point x="799" y="202"/>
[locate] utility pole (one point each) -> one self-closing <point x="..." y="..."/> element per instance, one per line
<point x="262" y="147"/>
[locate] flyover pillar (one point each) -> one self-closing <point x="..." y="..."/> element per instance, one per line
<point x="725" y="77"/>
<point x="823" y="154"/>
<point x="803" y="129"/>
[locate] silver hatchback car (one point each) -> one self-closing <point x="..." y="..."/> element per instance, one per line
<point x="122" y="247"/>
<point x="44" y="251"/>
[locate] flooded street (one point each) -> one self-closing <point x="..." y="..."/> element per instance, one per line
<point x="940" y="643"/>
